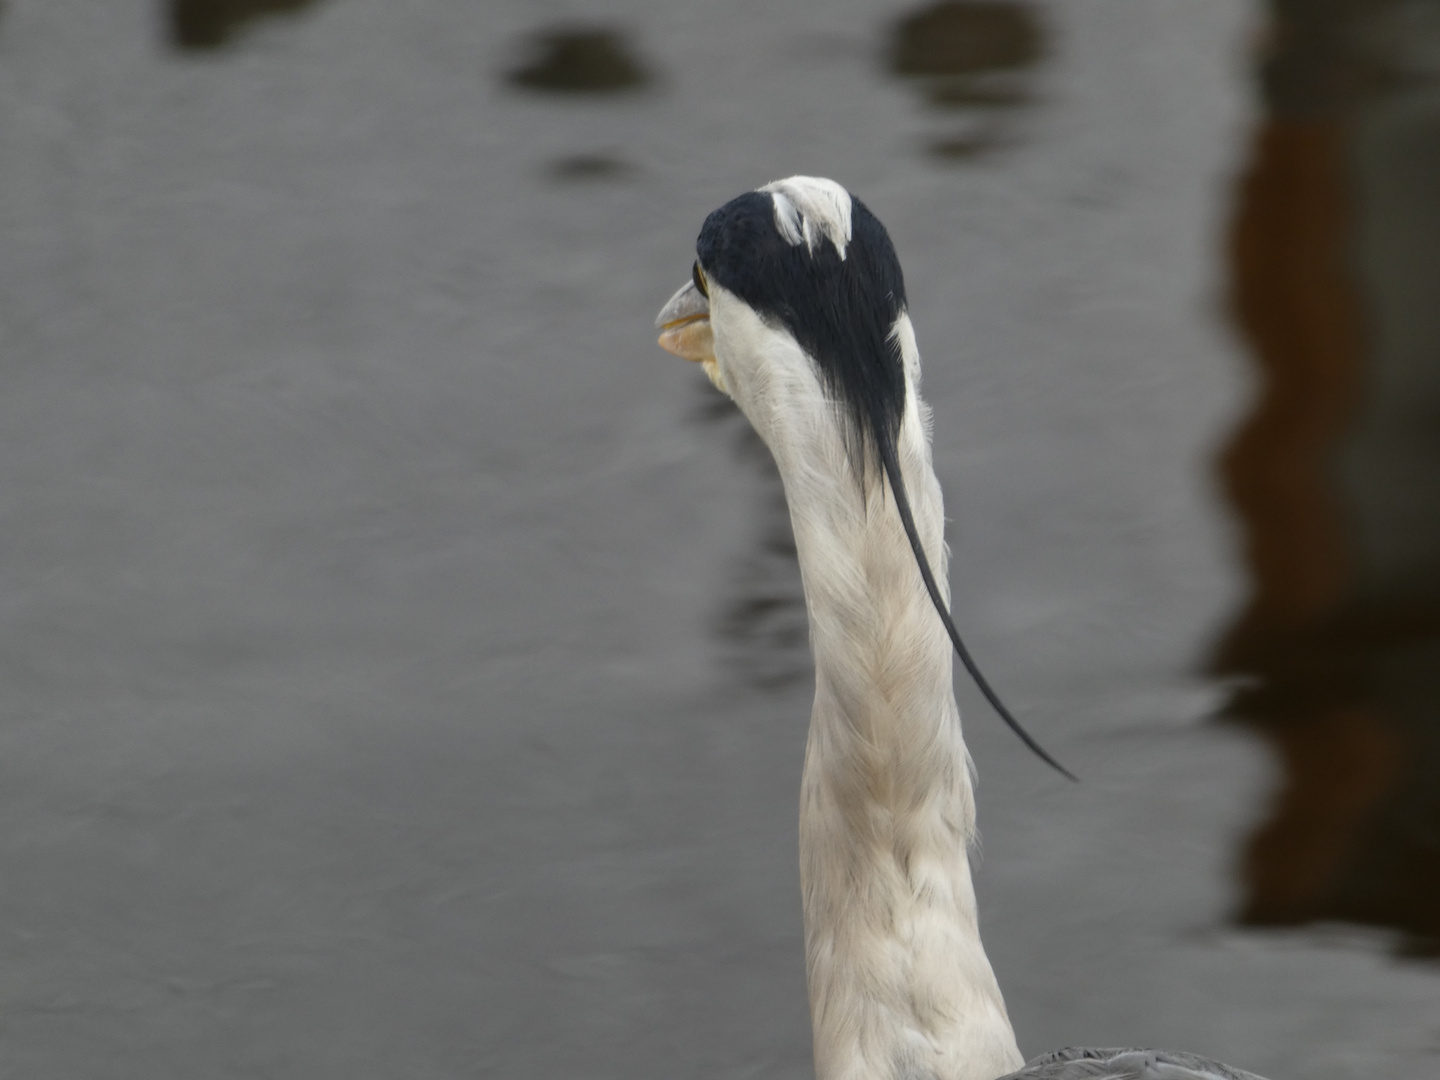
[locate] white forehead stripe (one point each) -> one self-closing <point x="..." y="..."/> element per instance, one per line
<point x="809" y="207"/>
<point x="787" y="219"/>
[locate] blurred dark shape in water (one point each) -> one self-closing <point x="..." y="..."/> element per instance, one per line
<point x="960" y="148"/>
<point x="579" y="60"/>
<point x="206" y="25"/>
<point x="966" y="37"/>
<point x="1335" y="474"/>
<point x="971" y="56"/>
<point x="970" y="93"/>
<point x="591" y="166"/>
<point x="764" y="628"/>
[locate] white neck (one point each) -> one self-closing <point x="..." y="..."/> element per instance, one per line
<point x="900" y="987"/>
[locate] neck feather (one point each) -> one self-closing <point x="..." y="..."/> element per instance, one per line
<point x="900" y="987"/>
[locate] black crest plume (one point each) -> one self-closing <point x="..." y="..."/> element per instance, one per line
<point x="841" y="311"/>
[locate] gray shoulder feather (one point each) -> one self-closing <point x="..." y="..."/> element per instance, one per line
<point x="1118" y="1063"/>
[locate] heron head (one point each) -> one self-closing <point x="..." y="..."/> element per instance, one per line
<point x="796" y="292"/>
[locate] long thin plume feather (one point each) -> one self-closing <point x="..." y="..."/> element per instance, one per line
<point x="902" y="503"/>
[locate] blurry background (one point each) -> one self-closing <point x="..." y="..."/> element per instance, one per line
<point x="404" y="666"/>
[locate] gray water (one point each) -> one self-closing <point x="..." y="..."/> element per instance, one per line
<point x="403" y="673"/>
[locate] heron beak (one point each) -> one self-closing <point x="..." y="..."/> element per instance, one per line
<point x="684" y="325"/>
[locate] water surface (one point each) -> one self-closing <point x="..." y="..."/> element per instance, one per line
<point x="403" y="658"/>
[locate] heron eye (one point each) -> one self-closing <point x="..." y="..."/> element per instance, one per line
<point x="699" y="277"/>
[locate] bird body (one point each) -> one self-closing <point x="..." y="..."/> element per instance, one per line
<point x="797" y="311"/>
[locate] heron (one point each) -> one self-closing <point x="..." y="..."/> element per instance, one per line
<point x="796" y="309"/>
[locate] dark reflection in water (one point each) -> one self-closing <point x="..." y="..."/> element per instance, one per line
<point x="1335" y="474"/>
<point x="202" y="25"/>
<point x="764" y="627"/>
<point x="970" y="94"/>
<point x="580" y="60"/>
<point x="979" y="140"/>
<point x="970" y="57"/>
<point x="966" y="37"/>
<point x="590" y="166"/>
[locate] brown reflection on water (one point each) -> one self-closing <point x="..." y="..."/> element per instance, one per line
<point x="1335" y="475"/>
<point x="204" y="25"/>
<point x="580" y="60"/>
<point x="969" y="57"/>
